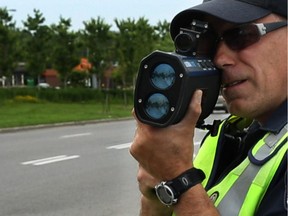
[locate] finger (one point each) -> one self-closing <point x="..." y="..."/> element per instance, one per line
<point x="146" y="183"/>
<point x="194" y="109"/>
<point x="144" y="177"/>
<point x="135" y="116"/>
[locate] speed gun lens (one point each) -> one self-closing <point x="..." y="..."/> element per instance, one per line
<point x="163" y="76"/>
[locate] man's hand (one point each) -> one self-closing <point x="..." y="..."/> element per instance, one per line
<point x="167" y="152"/>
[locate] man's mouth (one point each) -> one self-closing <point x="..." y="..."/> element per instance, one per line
<point x="234" y="83"/>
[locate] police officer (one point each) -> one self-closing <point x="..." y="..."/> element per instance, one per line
<point x="241" y="167"/>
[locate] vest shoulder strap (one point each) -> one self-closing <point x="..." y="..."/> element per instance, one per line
<point x="244" y="187"/>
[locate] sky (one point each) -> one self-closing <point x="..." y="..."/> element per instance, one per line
<point x="84" y="10"/>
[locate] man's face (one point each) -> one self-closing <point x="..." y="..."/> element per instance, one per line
<point x="255" y="78"/>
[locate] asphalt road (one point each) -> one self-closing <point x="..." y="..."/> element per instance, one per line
<point x="83" y="170"/>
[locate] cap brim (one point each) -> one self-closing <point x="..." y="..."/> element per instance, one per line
<point x="227" y="10"/>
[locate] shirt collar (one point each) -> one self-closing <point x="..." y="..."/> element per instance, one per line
<point x="277" y="120"/>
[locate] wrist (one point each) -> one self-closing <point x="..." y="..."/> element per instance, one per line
<point x="174" y="171"/>
<point x="168" y="192"/>
<point x="195" y="201"/>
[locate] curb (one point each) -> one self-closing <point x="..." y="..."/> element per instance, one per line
<point x="42" y="126"/>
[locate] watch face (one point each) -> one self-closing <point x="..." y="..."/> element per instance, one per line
<point x="165" y="194"/>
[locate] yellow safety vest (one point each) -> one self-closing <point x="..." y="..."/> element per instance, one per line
<point x="243" y="188"/>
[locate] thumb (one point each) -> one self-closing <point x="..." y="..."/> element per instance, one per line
<point x="194" y="109"/>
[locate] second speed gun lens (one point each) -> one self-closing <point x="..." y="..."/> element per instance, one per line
<point x="157" y="106"/>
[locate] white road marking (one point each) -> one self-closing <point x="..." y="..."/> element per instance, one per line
<point x="50" y="160"/>
<point x="121" y="146"/>
<point x="75" y="135"/>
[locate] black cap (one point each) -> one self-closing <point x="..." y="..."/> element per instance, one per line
<point x="233" y="11"/>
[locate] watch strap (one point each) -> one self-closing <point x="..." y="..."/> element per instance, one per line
<point x="185" y="181"/>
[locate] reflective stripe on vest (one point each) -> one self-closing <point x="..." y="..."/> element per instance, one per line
<point x="242" y="190"/>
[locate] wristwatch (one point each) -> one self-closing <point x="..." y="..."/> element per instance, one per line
<point x="168" y="192"/>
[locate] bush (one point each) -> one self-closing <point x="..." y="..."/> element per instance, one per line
<point x="26" y="98"/>
<point x="67" y="95"/>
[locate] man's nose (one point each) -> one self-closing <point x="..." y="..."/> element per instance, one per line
<point x="224" y="56"/>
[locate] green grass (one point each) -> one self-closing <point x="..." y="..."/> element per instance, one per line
<point x="15" y="113"/>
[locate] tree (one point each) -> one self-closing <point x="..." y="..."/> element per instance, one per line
<point x="134" y="41"/>
<point x="7" y="42"/>
<point x="64" y="48"/>
<point x="99" y="43"/>
<point x="163" y="39"/>
<point x="39" y="45"/>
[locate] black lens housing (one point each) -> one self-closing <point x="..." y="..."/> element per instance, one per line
<point x="192" y="73"/>
<point x="185" y="42"/>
